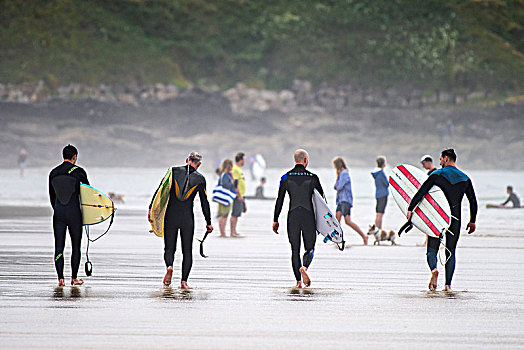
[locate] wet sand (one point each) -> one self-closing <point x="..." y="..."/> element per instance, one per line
<point x="364" y="297"/>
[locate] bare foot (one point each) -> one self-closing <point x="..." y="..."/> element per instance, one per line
<point x="183" y="285"/>
<point x="433" y="280"/>
<point x="236" y="235"/>
<point x="305" y="277"/>
<point x="223" y="236"/>
<point x="365" y="238"/>
<point x="299" y="284"/>
<point x="167" y="277"/>
<point x="61" y="282"/>
<point x="447" y="288"/>
<point x="76" y="282"/>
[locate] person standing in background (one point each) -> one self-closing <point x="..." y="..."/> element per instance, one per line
<point x="345" y="196"/>
<point x="238" y="203"/>
<point x="381" y="187"/>
<point x="22" y="159"/>
<point x="225" y="180"/>
<point x="427" y="163"/>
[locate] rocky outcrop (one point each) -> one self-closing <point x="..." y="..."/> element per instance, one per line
<point x="301" y="96"/>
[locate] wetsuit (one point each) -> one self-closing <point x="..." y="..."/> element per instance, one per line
<point x="514" y="200"/>
<point x="187" y="182"/>
<point x="299" y="183"/>
<point x="64" y="193"/>
<point x="454" y="183"/>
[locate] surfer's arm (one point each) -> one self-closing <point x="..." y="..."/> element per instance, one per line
<point x="83" y="176"/>
<point x="52" y="195"/>
<point x="507" y="201"/>
<point x="422" y="191"/>
<point x="280" y="200"/>
<point x="205" y="203"/>
<point x="318" y="186"/>
<point x="157" y="189"/>
<point x="473" y="206"/>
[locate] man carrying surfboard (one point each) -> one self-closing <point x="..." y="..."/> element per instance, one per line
<point x="299" y="183"/>
<point x="64" y="194"/>
<point x="454" y="183"/>
<point x="186" y="183"/>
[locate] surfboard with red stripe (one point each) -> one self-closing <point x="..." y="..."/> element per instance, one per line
<point x="432" y="216"/>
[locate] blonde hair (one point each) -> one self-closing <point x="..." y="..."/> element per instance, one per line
<point x="226" y="163"/>
<point x="339" y="164"/>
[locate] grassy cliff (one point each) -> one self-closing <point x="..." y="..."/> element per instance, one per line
<point x="427" y="44"/>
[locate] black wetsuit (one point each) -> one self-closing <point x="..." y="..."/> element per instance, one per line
<point x="179" y="214"/>
<point x="299" y="183"/>
<point x="64" y="193"/>
<point x="514" y="200"/>
<point x="454" y="184"/>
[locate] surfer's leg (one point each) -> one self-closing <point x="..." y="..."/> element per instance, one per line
<point x="75" y="232"/>
<point x="59" y="230"/>
<point x="309" y="236"/>
<point x="170" y="236"/>
<point x="186" y="235"/>
<point x="451" y="245"/>
<point x="293" y="233"/>
<point x="431" y="256"/>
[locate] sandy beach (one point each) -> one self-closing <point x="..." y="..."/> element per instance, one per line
<point x="363" y="297"/>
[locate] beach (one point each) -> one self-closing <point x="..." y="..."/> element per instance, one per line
<point x="243" y="295"/>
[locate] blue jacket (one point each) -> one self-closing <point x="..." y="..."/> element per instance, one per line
<point x="343" y="188"/>
<point x="381" y="183"/>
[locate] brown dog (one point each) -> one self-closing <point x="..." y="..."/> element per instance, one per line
<point x="382" y="235"/>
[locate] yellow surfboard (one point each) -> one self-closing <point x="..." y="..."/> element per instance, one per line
<point x="96" y="205"/>
<point x="158" y="209"/>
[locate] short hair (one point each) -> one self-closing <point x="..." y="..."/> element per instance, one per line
<point x="426" y="158"/>
<point x="69" y="152"/>
<point x="381" y="161"/>
<point x="239" y="156"/>
<point x="262" y="179"/>
<point x="450" y="153"/>
<point x="509" y="188"/>
<point x="194" y="157"/>
<point x="300" y="155"/>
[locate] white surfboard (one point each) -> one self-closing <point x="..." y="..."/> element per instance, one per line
<point x="327" y="224"/>
<point x="432" y="216"/>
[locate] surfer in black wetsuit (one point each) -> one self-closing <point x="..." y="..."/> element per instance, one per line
<point x="299" y="183"/>
<point x="187" y="182"/>
<point x="454" y="183"/>
<point x="513" y="198"/>
<point x="64" y="193"/>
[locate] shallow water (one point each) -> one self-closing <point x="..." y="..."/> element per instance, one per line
<point x="364" y="297"/>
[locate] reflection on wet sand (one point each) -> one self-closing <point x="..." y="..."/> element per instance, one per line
<point x="175" y="294"/>
<point x="60" y="293"/>
<point x="301" y="294"/>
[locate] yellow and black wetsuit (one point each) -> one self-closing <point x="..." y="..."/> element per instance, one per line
<point x="186" y="183"/>
<point x="64" y="193"/>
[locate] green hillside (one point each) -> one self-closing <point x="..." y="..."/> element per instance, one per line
<point x="429" y="44"/>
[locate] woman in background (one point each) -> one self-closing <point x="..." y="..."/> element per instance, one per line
<point x="226" y="180"/>
<point x="345" y="196"/>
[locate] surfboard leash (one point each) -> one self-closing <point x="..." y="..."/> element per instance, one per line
<point x="88" y="267"/>
<point x="202" y="244"/>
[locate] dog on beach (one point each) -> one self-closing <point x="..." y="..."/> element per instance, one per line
<point x="381" y="235"/>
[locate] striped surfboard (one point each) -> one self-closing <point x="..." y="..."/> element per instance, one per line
<point x="432" y="216"/>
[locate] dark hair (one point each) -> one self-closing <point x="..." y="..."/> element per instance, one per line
<point x="239" y="156"/>
<point x="381" y="161"/>
<point x="69" y="151"/>
<point x="450" y="153"/>
<point x="510" y="188"/>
